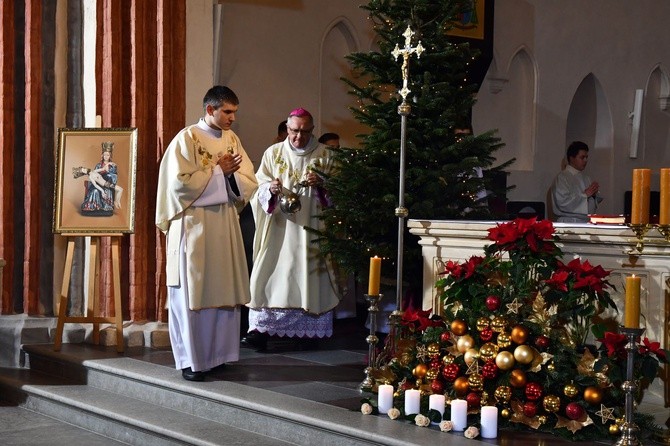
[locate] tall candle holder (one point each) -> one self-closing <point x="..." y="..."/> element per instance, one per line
<point x="640" y="230"/>
<point x="372" y="339"/>
<point x="629" y="429"/>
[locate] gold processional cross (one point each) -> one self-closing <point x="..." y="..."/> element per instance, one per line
<point x="406" y="52"/>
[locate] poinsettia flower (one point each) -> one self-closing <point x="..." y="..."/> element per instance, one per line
<point x="471" y="265"/>
<point x="543" y="229"/>
<point x="503" y="234"/>
<point x="453" y="268"/>
<point x="558" y="280"/>
<point x="653" y="347"/>
<point x="614" y="342"/>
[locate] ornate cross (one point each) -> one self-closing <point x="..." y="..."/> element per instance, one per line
<point x="406" y="52"/>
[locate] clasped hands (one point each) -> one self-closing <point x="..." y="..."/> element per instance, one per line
<point x="230" y="163"/>
<point x="592" y="189"/>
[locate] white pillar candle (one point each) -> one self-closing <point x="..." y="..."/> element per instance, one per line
<point x="489" y="422"/>
<point x="412" y="401"/>
<point x="384" y="398"/>
<point x="459" y="414"/>
<point x="436" y="402"/>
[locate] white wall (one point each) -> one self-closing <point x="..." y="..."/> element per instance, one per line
<point x="620" y="44"/>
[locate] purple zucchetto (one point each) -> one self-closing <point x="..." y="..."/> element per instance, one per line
<point x="300" y="113"/>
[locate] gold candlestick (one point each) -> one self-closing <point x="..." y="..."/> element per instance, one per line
<point x="640" y="230"/>
<point x="665" y="231"/>
<point x="629" y="429"/>
<point x="372" y="339"/>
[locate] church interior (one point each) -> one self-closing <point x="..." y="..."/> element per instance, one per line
<point x="552" y="73"/>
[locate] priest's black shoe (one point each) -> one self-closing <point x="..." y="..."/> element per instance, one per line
<point x="255" y="339"/>
<point x="189" y="375"/>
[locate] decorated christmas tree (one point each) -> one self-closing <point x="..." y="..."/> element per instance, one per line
<point x="442" y="164"/>
<point x="514" y="334"/>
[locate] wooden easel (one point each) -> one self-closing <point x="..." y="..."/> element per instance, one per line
<point x="93" y="305"/>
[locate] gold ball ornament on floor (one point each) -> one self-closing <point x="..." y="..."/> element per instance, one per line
<point x="498" y="324"/>
<point x="505" y="413"/>
<point x="551" y="403"/>
<point x="593" y="395"/>
<point x="488" y="351"/>
<point x="459" y="327"/>
<point x="464" y="343"/>
<point x="504" y="340"/>
<point x="614" y="429"/>
<point x="432" y="373"/>
<point x="517" y="378"/>
<point x="461" y="385"/>
<point x="505" y="360"/>
<point x="420" y="370"/>
<point x="502" y="394"/>
<point x="523" y="354"/>
<point x="433" y="348"/>
<point x="519" y="334"/>
<point x="471" y="355"/>
<point x="570" y="390"/>
<point x="476" y="382"/>
<point x="482" y="323"/>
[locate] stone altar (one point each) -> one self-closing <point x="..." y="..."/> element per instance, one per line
<point x="611" y="246"/>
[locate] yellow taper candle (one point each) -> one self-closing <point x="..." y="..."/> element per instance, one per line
<point x="639" y="211"/>
<point x="664" y="211"/>
<point x="631" y="308"/>
<point x="375" y="274"/>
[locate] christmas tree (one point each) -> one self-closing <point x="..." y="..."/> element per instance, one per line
<point x="441" y="180"/>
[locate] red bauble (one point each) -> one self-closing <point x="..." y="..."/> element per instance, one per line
<point x="574" y="411"/>
<point x="486" y="334"/>
<point x="473" y="400"/>
<point x="407" y="385"/>
<point x="490" y="370"/>
<point x="450" y="372"/>
<point x="493" y="302"/>
<point x="435" y="363"/>
<point x="533" y="391"/>
<point x="445" y="336"/>
<point x="530" y="409"/>
<point x="437" y="386"/>
<point x="542" y="342"/>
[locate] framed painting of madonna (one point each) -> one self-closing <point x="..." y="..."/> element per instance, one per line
<point x="94" y="189"/>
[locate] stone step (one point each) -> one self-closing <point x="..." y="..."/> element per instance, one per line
<point x="124" y="398"/>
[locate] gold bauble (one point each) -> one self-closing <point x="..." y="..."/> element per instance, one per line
<point x="523" y="354"/>
<point x="405" y="359"/>
<point x="476" y="382"/>
<point x="420" y="370"/>
<point x="488" y="351"/>
<point x="593" y="395"/>
<point x="484" y="400"/>
<point x="620" y="421"/>
<point x="498" y="324"/>
<point x="614" y="429"/>
<point x="551" y="403"/>
<point x="482" y="323"/>
<point x="464" y="343"/>
<point x="504" y="340"/>
<point x="433" y="348"/>
<point x="542" y="419"/>
<point x="504" y="413"/>
<point x="519" y="334"/>
<point x="551" y="366"/>
<point x="459" y="327"/>
<point x="505" y="360"/>
<point x="503" y="394"/>
<point x="570" y="390"/>
<point x="431" y="374"/>
<point x="447" y="359"/>
<point x="461" y="385"/>
<point x="517" y="378"/>
<point x="471" y="355"/>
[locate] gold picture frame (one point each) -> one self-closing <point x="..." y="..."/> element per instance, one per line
<point x="95" y="181"/>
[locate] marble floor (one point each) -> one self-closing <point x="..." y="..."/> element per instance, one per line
<point x="329" y="374"/>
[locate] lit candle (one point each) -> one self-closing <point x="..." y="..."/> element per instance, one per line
<point x="664" y="211"/>
<point x="384" y="398"/>
<point x="375" y="274"/>
<point x="639" y="211"/>
<point x="489" y="422"/>
<point x="436" y="402"/>
<point x="459" y="414"/>
<point x="631" y="308"/>
<point x="412" y="401"/>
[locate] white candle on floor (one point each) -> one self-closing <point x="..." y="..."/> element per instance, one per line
<point x="489" y="422"/>
<point x="384" y="398"/>
<point x="436" y="402"/>
<point x="459" y="414"/>
<point x="412" y="401"/>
